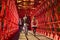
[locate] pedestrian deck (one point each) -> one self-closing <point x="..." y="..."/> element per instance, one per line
<point x="30" y="36"/>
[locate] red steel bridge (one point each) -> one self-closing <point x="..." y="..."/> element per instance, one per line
<point x="47" y="13"/>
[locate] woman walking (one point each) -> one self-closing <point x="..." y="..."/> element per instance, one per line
<point x="34" y="23"/>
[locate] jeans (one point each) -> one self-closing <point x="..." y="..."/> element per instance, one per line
<point x="26" y="30"/>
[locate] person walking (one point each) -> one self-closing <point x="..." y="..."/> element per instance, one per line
<point x="25" y="19"/>
<point x="34" y="24"/>
<point x="20" y="25"/>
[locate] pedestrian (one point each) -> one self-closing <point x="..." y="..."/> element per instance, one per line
<point x="20" y="25"/>
<point x="34" y="24"/>
<point x="25" y="19"/>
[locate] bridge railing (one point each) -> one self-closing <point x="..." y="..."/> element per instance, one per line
<point x="50" y="34"/>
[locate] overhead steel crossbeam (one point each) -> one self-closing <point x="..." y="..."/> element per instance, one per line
<point x="42" y="8"/>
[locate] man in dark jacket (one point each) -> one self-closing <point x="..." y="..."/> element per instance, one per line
<point x="20" y="24"/>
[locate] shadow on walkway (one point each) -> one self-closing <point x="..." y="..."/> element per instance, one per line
<point x="15" y="36"/>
